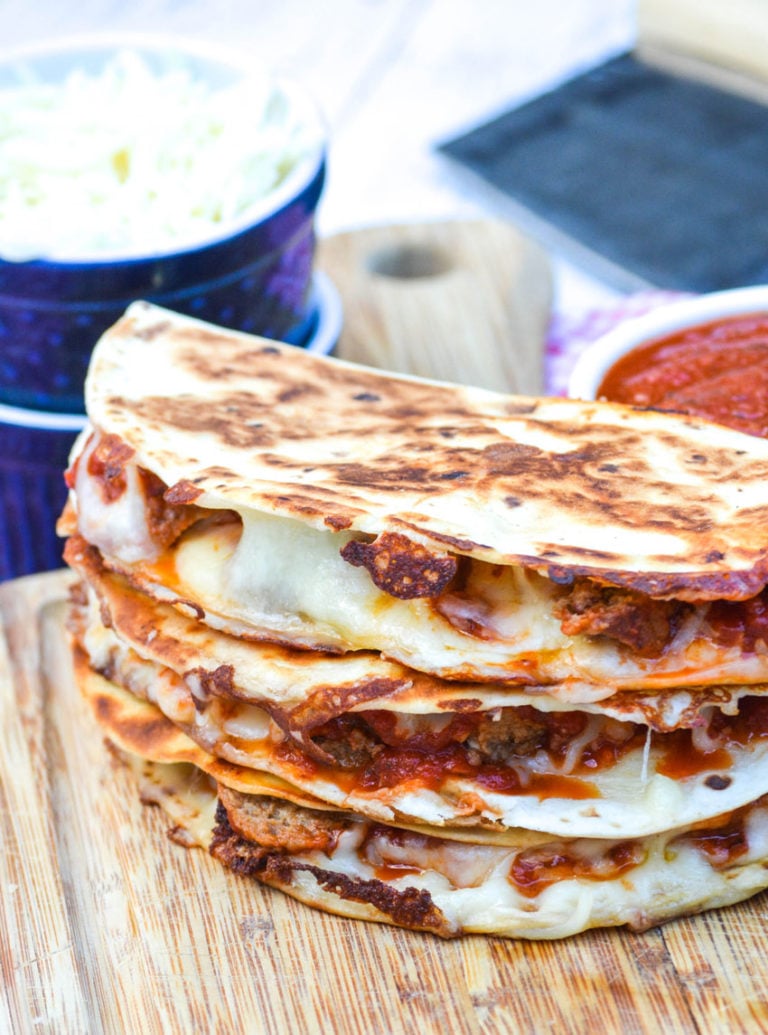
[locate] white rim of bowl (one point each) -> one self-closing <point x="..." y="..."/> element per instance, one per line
<point x="330" y="315"/>
<point x="297" y="180"/>
<point x="42" y="420"/>
<point x="597" y="358"/>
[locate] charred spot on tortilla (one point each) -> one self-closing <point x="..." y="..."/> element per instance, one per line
<point x="337" y="522"/>
<point x="229" y="421"/>
<point x="512" y="458"/>
<point x="521" y="407"/>
<point x="456" y="660"/>
<point x="387" y="475"/>
<point x="400" y="567"/>
<point x="693" y="586"/>
<point x="466" y="704"/>
<point x="107" y="465"/>
<point x="183" y="491"/>
<point x="152" y="331"/>
<point x="144" y="735"/>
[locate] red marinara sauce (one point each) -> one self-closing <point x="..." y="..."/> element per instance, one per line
<point x="717" y="370"/>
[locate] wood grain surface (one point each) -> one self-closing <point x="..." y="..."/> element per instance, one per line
<point x="731" y="37"/>
<point x="107" y="926"/>
<point x="464" y="301"/>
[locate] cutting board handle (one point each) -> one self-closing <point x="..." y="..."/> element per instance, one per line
<point x="462" y="301"/>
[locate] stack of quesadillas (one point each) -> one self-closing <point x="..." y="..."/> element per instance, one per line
<point x="424" y="654"/>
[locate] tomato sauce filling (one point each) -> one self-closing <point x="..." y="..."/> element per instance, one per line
<point x="683" y="756"/>
<point x="724" y="844"/>
<point x="717" y="370"/>
<point x="740" y="623"/>
<point x="725" y="839"/>
<point x="535" y="869"/>
<point x="366" y="752"/>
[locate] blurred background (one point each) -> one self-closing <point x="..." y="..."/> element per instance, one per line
<point x="612" y="154"/>
<point x="394" y="79"/>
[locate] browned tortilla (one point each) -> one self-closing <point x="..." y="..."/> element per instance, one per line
<point x="670" y="505"/>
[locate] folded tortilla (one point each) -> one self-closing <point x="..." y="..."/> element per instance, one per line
<point x="420" y="653"/>
<point x="439" y="881"/>
<point x="282" y="496"/>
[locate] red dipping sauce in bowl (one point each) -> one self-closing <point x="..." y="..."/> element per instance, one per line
<point x="705" y="356"/>
<point x="717" y="370"/>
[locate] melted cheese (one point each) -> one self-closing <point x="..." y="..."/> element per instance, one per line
<point x="472" y="885"/>
<point x="635" y="798"/>
<point x="275" y="577"/>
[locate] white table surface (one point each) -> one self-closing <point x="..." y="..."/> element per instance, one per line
<point x="394" y="78"/>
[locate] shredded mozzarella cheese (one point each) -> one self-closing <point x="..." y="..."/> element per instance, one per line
<point x="136" y="161"/>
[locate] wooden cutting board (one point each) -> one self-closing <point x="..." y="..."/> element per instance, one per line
<point x="720" y="43"/>
<point x="457" y="301"/>
<point x="107" y="926"/>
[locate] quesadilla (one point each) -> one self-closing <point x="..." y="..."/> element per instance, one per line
<point x="519" y="886"/>
<point x="484" y="624"/>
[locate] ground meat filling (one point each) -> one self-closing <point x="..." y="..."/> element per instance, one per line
<point x="409" y="907"/>
<point x="371" y="742"/>
<point x="514" y="732"/>
<point x="400" y="567"/>
<point x="344" y="743"/>
<point x="165" y="520"/>
<point x="281" y="825"/>
<point x="633" y="619"/>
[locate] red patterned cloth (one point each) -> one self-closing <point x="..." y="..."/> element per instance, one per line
<point x="569" y="334"/>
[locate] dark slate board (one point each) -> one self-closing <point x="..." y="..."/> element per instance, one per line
<point x="663" y="176"/>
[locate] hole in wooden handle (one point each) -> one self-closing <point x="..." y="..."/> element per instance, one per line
<point x="409" y="261"/>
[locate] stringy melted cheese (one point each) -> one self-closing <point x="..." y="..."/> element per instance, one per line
<point x="473" y="885"/>
<point x="269" y="576"/>
<point x="634" y="797"/>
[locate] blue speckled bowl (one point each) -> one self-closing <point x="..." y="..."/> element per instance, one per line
<point x="34" y="449"/>
<point x="254" y="275"/>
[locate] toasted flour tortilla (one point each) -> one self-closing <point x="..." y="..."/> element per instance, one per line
<point x="636" y="497"/>
<point x="478" y="537"/>
<point x="594" y="776"/>
<point x="547" y="890"/>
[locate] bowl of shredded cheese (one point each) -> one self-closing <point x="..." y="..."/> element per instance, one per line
<point x="147" y="168"/>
